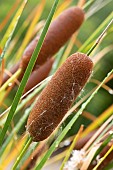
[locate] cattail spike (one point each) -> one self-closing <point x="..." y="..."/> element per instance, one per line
<point x="58" y="96"/>
<point x="61" y="29"/>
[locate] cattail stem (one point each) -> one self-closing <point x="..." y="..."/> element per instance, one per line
<point x="17" y="73"/>
<point x="15" y="129"/>
<point x="103" y="158"/>
<point x="22" y="153"/>
<point x="99" y="38"/>
<point x="71" y="147"/>
<point x="88" y="3"/>
<point x="27" y="73"/>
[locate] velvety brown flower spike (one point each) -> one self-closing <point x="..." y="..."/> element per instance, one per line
<point x="58" y="96"/>
<point x="60" y="30"/>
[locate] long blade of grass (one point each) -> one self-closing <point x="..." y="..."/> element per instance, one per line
<point x="28" y="154"/>
<point x="86" y="46"/>
<point x="9" y="33"/>
<point x="69" y="151"/>
<point x="29" y="95"/>
<point x="28" y="35"/>
<point x="105" y="143"/>
<point x="27" y="73"/>
<point x="89" y="157"/>
<point x="10" y="80"/>
<point x="96" y="7"/>
<point x="20" y="31"/>
<point x="8" y="16"/>
<point x="22" y="153"/>
<point x="100" y="38"/>
<point x="99" y="120"/>
<point x="15" y="151"/>
<point x="103" y="158"/>
<point x="16" y="129"/>
<point x="69" y="125"/>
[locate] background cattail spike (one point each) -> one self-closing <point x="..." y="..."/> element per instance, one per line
<point x="59" y="32"/>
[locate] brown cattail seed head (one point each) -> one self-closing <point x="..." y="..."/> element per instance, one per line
<point x="61" y="29"/>
<point x="39" y="74"/>
<point x="58" y="96"/>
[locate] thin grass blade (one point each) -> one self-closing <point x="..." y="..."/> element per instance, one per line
<point x="86" y="46"/>
<point x="9" y="33"/>
<point x="27" y="73"/>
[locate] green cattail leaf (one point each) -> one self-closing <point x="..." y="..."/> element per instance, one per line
<point x="27" y="73"/>
<point x="9" y="33"/>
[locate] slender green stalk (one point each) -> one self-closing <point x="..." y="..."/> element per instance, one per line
<point x="103" y="158"/>
<point x="96" y="6"/>
<point x="9" y="33"/>
<point x="33" y="146"/>
<point x="68" y="126"/>
<point x="27" y="73"/>
<point x="22" y="153"/>
<point x="84" y="48"/>
<point x="16" y="129"/>
<point x="104" y="144"/>
<point x="16" y="39"/>
<point x="23" y="118"/>
<point x="99" y="38"/>
<point x="71" y="148"/>
<point x="40" y="86"/>
<point x="11" y="79"/>
<point x="99" y="137"/>
<point x="29" y="97"/>
<point x="88" y="3"/>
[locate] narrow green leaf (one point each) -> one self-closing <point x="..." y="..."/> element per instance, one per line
<point x="9" y="33"/>
<point x="32" y="147"/>
<point x="22" y="153"/>
<point x="27" y="73"/>
<point x="97" y="5"/>
<point x="104" y="144"/>
<point x="86" y="46"/>
<point x="16" y="129"/>
<point x="24" y="101"/>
